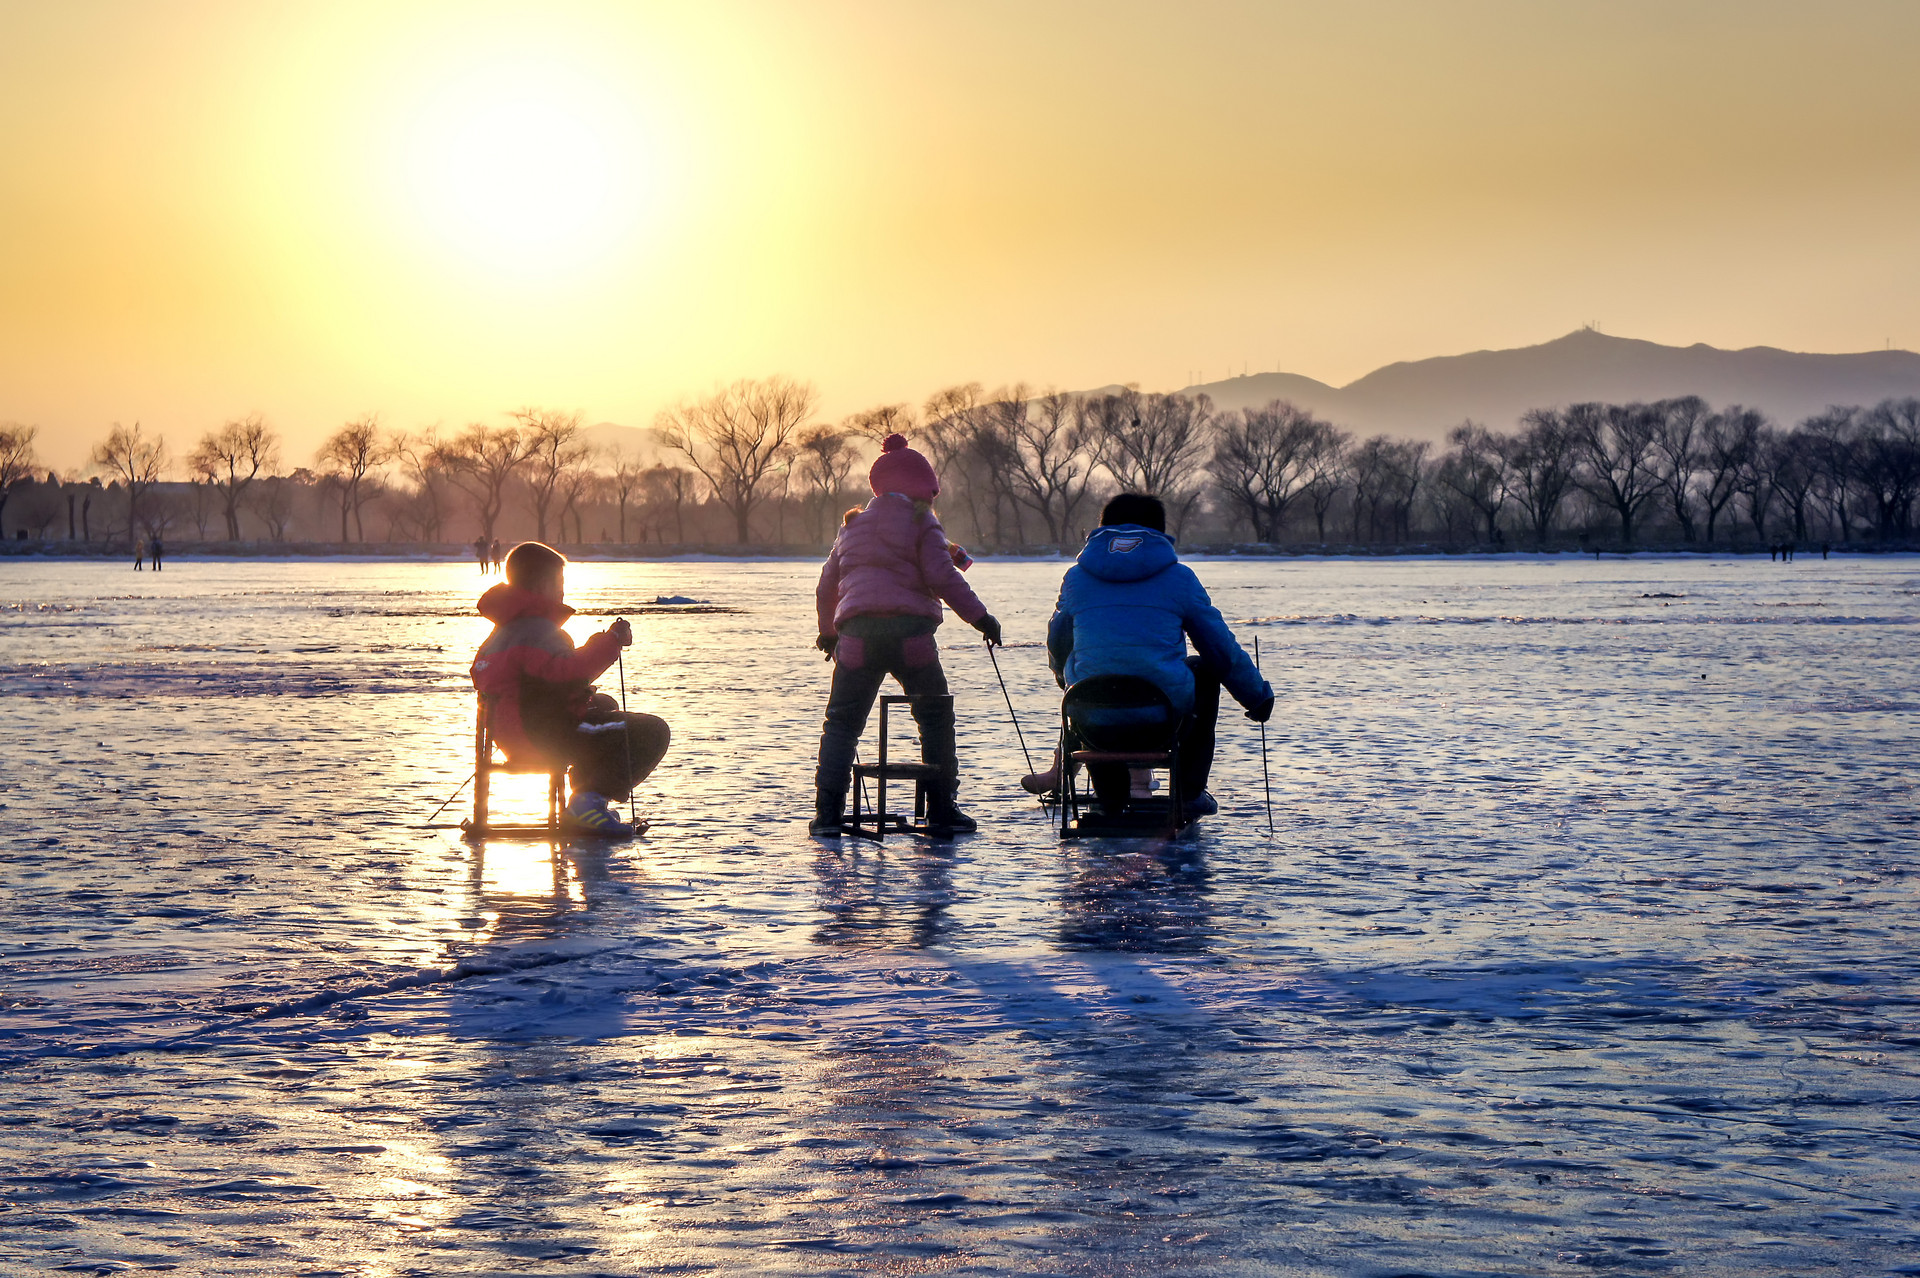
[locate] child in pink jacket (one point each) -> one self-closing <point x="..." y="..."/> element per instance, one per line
<point x="879" y="601"/>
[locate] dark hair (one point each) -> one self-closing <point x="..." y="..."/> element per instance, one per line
<point x="532" y="564"/>
<point x="1135" y="508"/>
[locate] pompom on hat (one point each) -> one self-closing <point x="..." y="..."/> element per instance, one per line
<point x="899" y="469"/>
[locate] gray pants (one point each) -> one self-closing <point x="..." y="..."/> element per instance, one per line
<point x="861" y="665"/>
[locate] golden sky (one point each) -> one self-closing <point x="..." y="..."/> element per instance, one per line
<point x="438" y="212"/>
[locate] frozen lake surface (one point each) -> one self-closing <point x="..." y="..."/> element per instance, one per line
<point x="1586" y="943"/>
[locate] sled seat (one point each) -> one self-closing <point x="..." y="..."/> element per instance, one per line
<point x="879" y="823"/>
<point x="480" y="826"/>
<point x="1119" y="721"/>
<point x="1136" y="758"/>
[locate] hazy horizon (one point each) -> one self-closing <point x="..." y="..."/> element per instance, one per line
<point x="438" y="212"/>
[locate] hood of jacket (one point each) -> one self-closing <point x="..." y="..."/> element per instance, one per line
<point x="505" y="602"/>
<point x="1127" y="552"/>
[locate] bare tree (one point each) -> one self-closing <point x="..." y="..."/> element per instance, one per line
<point x="231" y="458"/>
<point x="554" y="451"/>
<point x="1727" y="442"/>
<point x="1539" y="463"/>
<point x="780" y="490"/>
<point x="16" y="461"/>
<point x="422" y="462"/>
<point x="483" y="460"/>
<point x="878" y="423"/>
<point x="669" y="488"/>
<point x="158" y="514"/>
<point x="1755" y="479"/>
<point x="1155" y="443"/>
<point x="350" y="456"/>
<point x="1887" y="462"/>
<point x="1830" y="438"/>
<point x="1263" y="461"/>
<point x="200" y="496"/>
<point x="1475" y="470"/>
<point x="1677" y="441"/>
<point x="623" y="482"/>
<point x="1795" y="470"/>
<point x="273" y="503"/>
<point x="1614" y="450"/>
<point x="1386" y="475"/>
<point x="577" y="487"/>
<point x="951" y="415"/>
<point x="738" y="437"/>
<point x="135" y="461"/>
<point x="1405" y="473"/>
<point x="1052" y="462"/>
<point x="826" y="464"/>
<point x="1326" y="474"/>
<point x="994" y="446"/>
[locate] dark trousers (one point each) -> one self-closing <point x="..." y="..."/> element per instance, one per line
<point x="608" y="757"/>
<point x="1110" y="780"/>
<point x="861" y="665"/>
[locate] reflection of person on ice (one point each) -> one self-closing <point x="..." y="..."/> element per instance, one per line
<point x="879" y="603"/>
<point x="1128" y="607"/>
<point x="539" y="688"/>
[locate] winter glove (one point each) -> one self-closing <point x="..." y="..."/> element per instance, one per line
<point x="622" y="632"/>
<point x="1262" y="710"/>
<point x="958" y="553"/>
<point x="989" y="626"/>
<point x="826" y="644"/>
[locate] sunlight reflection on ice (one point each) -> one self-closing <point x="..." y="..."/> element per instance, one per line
<point x="1552" y="911"/>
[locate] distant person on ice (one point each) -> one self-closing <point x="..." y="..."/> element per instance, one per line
<point x="480" y="553"/>
<point x="539" y="688"/>
<point x="1128" y="607"/>
<point x="879" y="603"/>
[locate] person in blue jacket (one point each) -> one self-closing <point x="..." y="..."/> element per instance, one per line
<point x="1128" y="607"/>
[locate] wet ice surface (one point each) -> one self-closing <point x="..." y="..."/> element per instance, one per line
<point x="1586" y="943"/>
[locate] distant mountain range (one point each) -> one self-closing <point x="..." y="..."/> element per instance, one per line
<point x="1423" y="399"/>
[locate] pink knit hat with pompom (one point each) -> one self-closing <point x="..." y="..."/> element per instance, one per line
<point x="899" y="469"/>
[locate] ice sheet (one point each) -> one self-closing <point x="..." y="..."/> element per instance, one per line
<point x="1585" y="942"/>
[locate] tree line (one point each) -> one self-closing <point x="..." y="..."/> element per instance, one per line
<point x="752" y="464"/>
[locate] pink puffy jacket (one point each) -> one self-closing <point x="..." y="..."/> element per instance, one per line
<point x="892" y="561"/>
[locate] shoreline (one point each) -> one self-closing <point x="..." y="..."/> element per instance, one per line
<point x="418" y="552"/>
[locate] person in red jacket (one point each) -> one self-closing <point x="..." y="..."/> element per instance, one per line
<point x="542" y="706"/>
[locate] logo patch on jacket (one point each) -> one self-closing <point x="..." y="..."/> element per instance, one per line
<point x="1124" y="545"/>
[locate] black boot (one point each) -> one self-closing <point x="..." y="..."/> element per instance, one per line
<point x="944" y="818"/>
<point x="829" y="813"/>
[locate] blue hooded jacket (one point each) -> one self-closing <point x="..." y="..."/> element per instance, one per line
<point x="1129" y="605"/>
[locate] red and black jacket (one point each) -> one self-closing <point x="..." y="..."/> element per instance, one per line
<point x="535" y="681"/>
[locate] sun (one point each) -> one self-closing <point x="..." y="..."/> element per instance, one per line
<point x="525" y="170"/>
